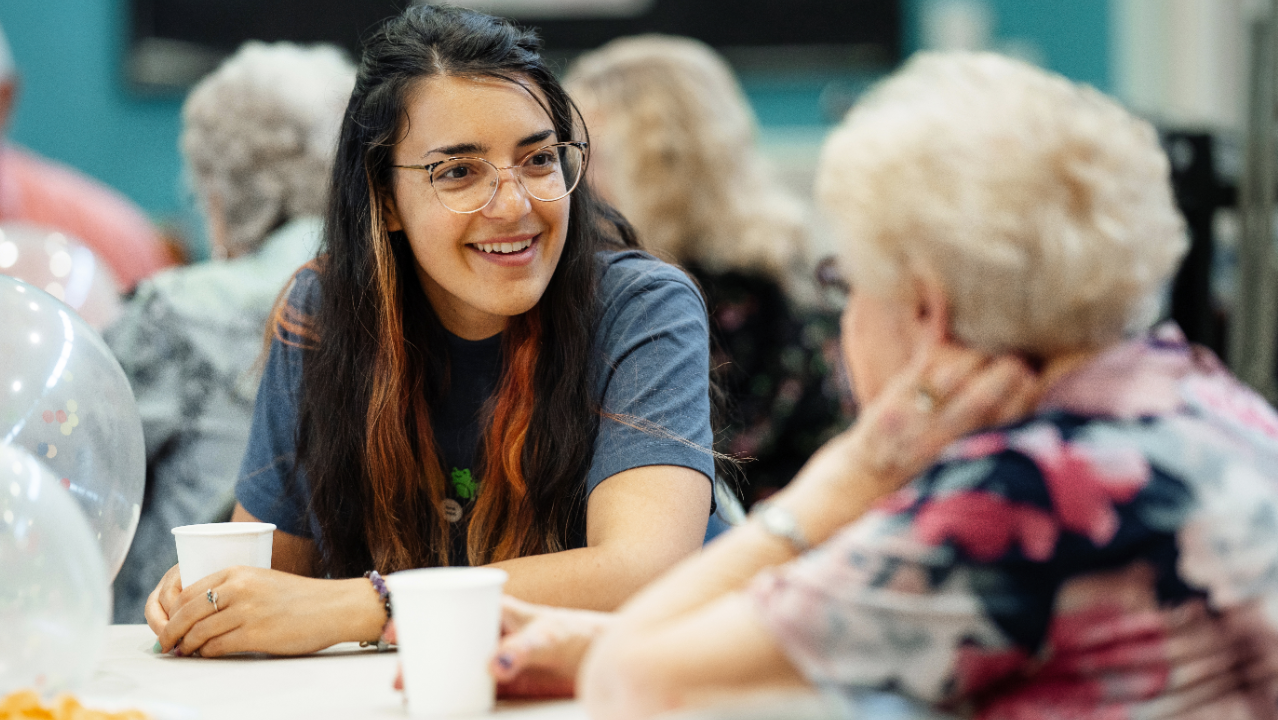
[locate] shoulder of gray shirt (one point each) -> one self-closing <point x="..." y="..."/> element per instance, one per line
<point x="626" y="273"/>
<point x="622" y="274"/>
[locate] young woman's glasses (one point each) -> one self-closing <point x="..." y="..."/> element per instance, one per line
<point x="467" y="184"/>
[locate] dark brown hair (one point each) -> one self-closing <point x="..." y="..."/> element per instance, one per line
<point x="375" y="365"/>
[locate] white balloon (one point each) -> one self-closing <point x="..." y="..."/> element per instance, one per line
<point x="54" y="601"/>
<point x="64" y="398"/>
<point x="62" y="266"/>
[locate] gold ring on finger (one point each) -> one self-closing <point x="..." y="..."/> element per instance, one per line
<point x="925" y="399"/>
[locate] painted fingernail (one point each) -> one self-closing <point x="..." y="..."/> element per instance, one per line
<point x="177" y="652"/>
<point x="505" y="661"/>
<point x="157" y="648"/>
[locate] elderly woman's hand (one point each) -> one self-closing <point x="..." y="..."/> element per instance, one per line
<point x="946" y="393"/>
<point x="540" y="649"/>
<point x="949" y="392"/>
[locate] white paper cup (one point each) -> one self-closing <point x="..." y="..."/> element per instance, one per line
<point x="204" y="549"/>
<point x="447" y="623"/>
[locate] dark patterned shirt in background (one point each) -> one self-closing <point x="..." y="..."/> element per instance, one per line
<point x="780" y="370"/>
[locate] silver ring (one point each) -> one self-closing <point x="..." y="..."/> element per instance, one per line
<point x="925" y="400"/>
<point x="212" y="597"/>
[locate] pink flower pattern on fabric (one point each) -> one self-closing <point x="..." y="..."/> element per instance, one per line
<point x="1085" y="482"/>
<point x="985" y="525"/>
<point x="1115" y="556"/>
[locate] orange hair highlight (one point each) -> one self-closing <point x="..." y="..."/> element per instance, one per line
<point x="395" y="473"/>
<point x="405" y="479"/>
<point x="287" y="320"/>
<point x="502" y="521"/>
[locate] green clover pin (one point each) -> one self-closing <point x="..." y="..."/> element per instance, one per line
<point x="464" y="484"/>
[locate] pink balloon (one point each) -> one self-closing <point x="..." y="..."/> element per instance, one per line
<point x="62" y="266"/>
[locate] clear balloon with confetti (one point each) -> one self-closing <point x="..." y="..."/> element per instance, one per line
<point x="54" y="601"/>
<point x="65" y="400"/>
<point x="62" y="266"/>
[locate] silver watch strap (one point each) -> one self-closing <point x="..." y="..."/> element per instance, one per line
<point x="776" y="520"/>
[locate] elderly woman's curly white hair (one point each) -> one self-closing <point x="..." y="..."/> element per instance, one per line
<point x="259" y="135"/>
<point x="1042" y="207"/>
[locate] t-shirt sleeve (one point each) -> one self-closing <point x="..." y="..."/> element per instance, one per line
<point x="655" y="393"/>
<point x="268" y="487"/>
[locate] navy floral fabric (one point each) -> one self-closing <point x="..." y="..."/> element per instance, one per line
<point x="1113" y="556"/>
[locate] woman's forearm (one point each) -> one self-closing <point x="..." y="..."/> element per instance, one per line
<point x="589" y="578"/>
<point x="729" y="563"/>
<point x="639" y="523"/>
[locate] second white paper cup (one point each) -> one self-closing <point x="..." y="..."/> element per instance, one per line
<point x="204" y="549"/>
<point x="447" y="623"/>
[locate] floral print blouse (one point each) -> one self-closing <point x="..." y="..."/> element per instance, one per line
<point x="1113" y="556"/>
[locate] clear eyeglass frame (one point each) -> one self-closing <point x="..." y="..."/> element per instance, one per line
<point x="518" y="172"/>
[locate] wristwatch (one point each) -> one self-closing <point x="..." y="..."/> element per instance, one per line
<point x="776" y="520"/>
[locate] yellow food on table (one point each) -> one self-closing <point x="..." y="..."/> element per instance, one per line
<point x="26" y="705"/>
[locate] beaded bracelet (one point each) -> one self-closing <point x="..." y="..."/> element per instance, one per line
<point x="380" y="586"/>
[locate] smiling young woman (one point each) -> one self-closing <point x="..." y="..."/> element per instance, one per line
<point x="479" y="368"/>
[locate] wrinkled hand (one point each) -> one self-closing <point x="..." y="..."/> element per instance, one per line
<point x="948" y="392"/>
<point x="258" y="610"/>
<point x="540" y="649"/>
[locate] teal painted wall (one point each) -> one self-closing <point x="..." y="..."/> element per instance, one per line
<point x="1071" y="35"/>
<point x="1068" y="36"/>
<point x="75" y="105"/>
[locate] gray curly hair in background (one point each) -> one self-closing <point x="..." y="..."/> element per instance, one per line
<point x="259" y="133"/>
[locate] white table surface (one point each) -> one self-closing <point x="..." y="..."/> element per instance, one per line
<point x="345" y="681"/>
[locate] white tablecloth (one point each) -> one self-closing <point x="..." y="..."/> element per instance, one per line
<point x="345" y="681"/>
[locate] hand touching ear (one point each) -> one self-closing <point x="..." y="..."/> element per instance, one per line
<point x="946" y="393"/>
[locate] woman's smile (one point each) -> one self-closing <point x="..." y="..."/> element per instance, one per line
<point x="510" y="251"/>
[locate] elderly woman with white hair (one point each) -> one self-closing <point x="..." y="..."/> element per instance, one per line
<point x="258" y="137"/>
<point x="1107" y="549"/>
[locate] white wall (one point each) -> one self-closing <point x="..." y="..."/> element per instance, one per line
<point x="1183" y="62"/>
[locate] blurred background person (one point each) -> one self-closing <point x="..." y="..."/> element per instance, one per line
<point x="258" y="137"/>
<point x="41" y="192"/>
<point x="673" y="147"/>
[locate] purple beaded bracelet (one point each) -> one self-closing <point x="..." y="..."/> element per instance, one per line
<point x="380" y="586"/>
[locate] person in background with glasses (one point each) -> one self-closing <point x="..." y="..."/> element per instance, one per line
<point x="674" y="147"/>
<point x="480" y="368"/>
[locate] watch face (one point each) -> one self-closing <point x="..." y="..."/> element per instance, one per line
<point x="780" y="522"/>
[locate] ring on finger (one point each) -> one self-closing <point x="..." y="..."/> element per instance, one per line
<point x="212" y="597"/>
<point x="925" y="399"/>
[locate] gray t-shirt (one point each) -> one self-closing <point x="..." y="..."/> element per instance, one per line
<point x="653" y="373"/>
